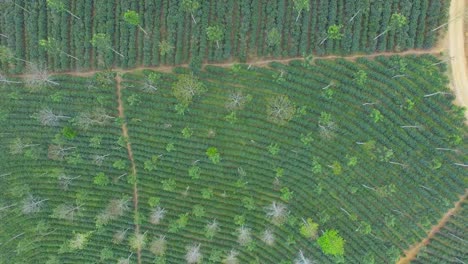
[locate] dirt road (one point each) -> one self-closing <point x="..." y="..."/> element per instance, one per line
<point x="456" y="49"/>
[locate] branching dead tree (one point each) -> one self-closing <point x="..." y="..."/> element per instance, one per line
<point x="268" y="237"/>
<point x="157" y="215"/>
<point x="66" y="211"/>
<point x="301" y="259"/>
<point x="237" y="101"/>
<point x="115" y="209"/>
<point x="158" y="246"/>
<point x="280" y="109"/>
<point x="38" y="77"/>
<point x="58" y="152"/>
<point x="99" y="159"/>
<point x="119" y="236"/>
<point x="64" y="181"/>
<point x="277" y="212"/>
<point x="243" y="235"/>
<point x="231" y="258"/>
<point x="32" y="204"/>
<point x="48" y="118"/>
<point x="18" y="145"/>
<point x="193" y="254"/>
<point x="95" y="117"/>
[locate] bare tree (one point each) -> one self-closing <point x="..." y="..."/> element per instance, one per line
<point x="237" y="101"/>
<point x="66" y="211"/>
<point x="243" y="235"/>
<point x="231" y="258"/>
<point x="38" y="77"/>
<point x="64" y="181"/>
<point x="301" y="259"/>
<point x="158" y="246"/>
<point x="115" y="209"/>
<point x="58" y="152"/>
<point x="32" y="204"/>
<point x="193" y="254"/>
<point x="268" y="237"/>
<point x="280" y="109"/>
<point x="157" y="215"/>
<point x="48" y="118"/>
<point x="211" y="229"/>
<point x="5" y="80"/>
<point x="119" y="236"/>
<point x="18" y="145"/>
<point x="125" y="260"/>
<point x="277" y="212"/>
<point x="96" y="117"/>
<point x="99" y="159"/>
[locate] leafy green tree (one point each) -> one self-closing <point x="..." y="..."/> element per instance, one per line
<point x="280" y="109"/>
<point x="215" y="33"/>
<point x="300" y="5"/>
<point x="308" y="228"/>
<point x="53" y="47"/>
<point x="133" y="18"/>
<point x="213" y="155"/>
<point x="331" y="243"/>
<point x="360" y="77"/>
<point x="186" y="87"/>
<point x="101" y="179"/>
<point x="165" y="48"/>
<point x="59" y="6"/>
<point x="273" y="37"/>
<point x="376" y="115"/>
<point x="334" y="33"/>
<point x="190" y="6"/>
<point x="137" y="241"/>
<point x="397" y="21"/>
<point x="102" y="41"/>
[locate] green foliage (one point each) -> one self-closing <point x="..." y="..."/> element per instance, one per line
<point x="331" y="243"/>
<point x="168" y="185"/>
<point x="132" y="17"/>
<point x="376" y="115"/>
<point x="273" y="37"/>
<point x="165" y="48"/>
<point x="119" y="164"/>
<point x="207" y="193"/>
<point x="286" y="194"/>
<point x="213" y="155"/>
<point x="334" y="32"/>
<point x="187" y="132"/>
<point x="194" y="172"/>
<point x="215" y="33"/>
<point x="198" y="211"/>
<point x="101" y="179"/>
<point x="360" y="78"/>
<point x="309" y="229"/>
<point x="336" y="168"/>
<point x="153" y="201"/>
<point x="187" y="87"/>
<point x="274" y="149"/>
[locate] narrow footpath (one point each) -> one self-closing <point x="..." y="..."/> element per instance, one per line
<point x="413" y="251"/>
<point x="118" y="80"/>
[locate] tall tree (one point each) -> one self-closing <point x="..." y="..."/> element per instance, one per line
<point x="59" y="6"/>
<point x="331" y="243"/>
<point x="215" y="33"/>
<point x="333" y="32"/>
<point x="300" y="5"/>
<point x="186" y="88"/>
<point x="102" y="41"/>
<point x="397" y="21"/>
<point x="53" y="47"/>
<point x="133" y="18"/>
<point x="190" y="6"/>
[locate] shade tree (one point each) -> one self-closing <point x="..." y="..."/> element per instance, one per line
<point x="190" y="6"/>
<point x="301" y="5"/>
<point x="59" y="6"/>
<point x="215" y="33"/>
<point x="133" y="18"/>
<point x="102" y="41"/>
<point x="53" y="47"/>
<point x="397" y="21"/>
<point x="280" y="109"/>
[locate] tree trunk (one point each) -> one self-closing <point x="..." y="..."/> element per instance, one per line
<point x="381" y="34"/>
<point x="73" y="15"/>
<point x="117" y="52"/>
<point x="193" y="18"/>
<point x="144" y="31"/>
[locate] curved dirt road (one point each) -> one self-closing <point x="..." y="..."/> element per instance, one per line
<point x="456" y="49"/>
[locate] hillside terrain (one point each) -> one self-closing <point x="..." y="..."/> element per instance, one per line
<point x="231" y="132"/>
